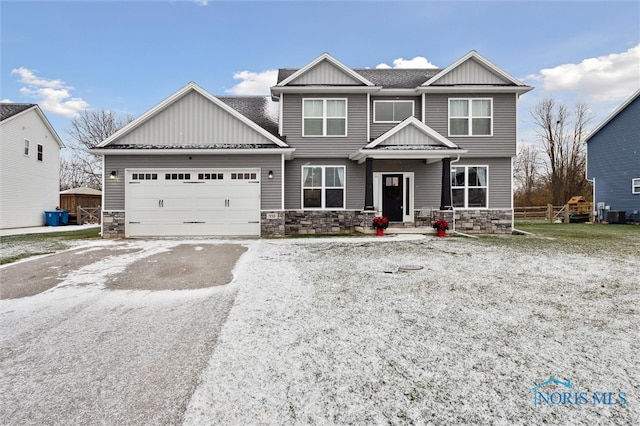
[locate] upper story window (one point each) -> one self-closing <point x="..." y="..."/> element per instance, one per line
<point x="324" y="117"/>
<point x="323" y="187"/>
<point x="469" y="186"/>
<point x="26" y="147"/>
<point x="635" y="186"/>
<point x="40" y="152"/>
<point x="470" y="117"/>
<point x="392" y="111"/>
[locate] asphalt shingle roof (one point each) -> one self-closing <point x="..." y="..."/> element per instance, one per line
<point x="259" y="109"/>
<point x="396" y="78"/>
<point x="9" y="110"/>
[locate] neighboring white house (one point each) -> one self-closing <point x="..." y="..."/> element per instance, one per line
<point x="29" y="166"/>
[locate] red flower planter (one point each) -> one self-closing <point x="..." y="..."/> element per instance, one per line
<point x="379" y="232"/>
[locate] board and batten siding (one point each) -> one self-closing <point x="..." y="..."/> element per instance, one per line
<point x="328" y="146"/>
<point x="499" y="179"/>
<point x="355" y="175"/>
<point x="327" y="74"/>
<point x="28" y="187"/>
<point x="503" y="141"/>
<point x="192" y="120"/>
<point x="471" y="72"/>
<point x="378" y="129"/>
<point x="270" y="189"/>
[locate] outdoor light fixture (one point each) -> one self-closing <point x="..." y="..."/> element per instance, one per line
<point x="270" y="175"/>
<point x="114" y="174"/>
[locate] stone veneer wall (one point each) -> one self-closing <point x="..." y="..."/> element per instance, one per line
<point x="112" y="224"/>
<point x="484" y="221"/>
<point x="272" y="224"/>
<point x="322" y="221"/>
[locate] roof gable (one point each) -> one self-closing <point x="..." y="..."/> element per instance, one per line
<point x="473" y="69"/>
<point x="614" y="114"/>
<point x="192" y="117"/>
<point x="411" y="132"/>
<point x="325" y="70"/>
<point x="10" y="111"/>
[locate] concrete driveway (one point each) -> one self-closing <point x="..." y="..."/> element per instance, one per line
<point x="117" y="333"/>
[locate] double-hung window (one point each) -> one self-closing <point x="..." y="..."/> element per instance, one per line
<point x="26" y="147"/>
<point x="469" y="187"/>
<point x="324" y="117"/>
<point x="470" y="117"/>
<point x="392" y="111"/>
<point x="323" y="187"/>
<point x="40" y="152"/>
<point x="635" y="186"/>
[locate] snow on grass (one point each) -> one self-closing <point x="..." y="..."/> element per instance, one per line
<point x="321" y="333"/>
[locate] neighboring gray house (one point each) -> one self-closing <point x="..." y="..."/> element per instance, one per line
<point x="341" y="146"/>
<point x="613" y="161"/>
<point x="29" y="165"/>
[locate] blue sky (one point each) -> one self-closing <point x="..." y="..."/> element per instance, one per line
<point x="127" y="56"/>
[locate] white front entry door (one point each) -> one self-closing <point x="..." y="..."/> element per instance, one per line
<point x="198" y="202"/>
<point x="393" y="195"/>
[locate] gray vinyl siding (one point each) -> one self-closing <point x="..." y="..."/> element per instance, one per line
<point x="471" y="72"/>
<point x="317" y="147"/>
<point x="503" y="141"/>
<point x="499" y="179"/>
<point x="270" y="189"/>
<point x="355" y="174"/>
<point x="613" y="160"/>
<point x="193" y="120"/>
<point x="325" y="74"/>
<point x="427" y="179"/>
<point x="378" y="129"/>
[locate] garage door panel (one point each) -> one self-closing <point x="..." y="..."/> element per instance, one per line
<point x="177" y="203"/>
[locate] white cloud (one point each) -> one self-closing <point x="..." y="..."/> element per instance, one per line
<point x="417" y="62"/>
<point x="52" y="95"/>
<point x="607" y="78"/>
<point x="6" y="101"/>
<point x="254" y="83"/>
<point x="201" y="2"/>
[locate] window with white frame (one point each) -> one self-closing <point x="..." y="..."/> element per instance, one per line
<point x="635" y="186"/>
<point x="323" y="187"/>
<point x="40" y="152"/>
<point x="324" y="117"/>
<point x="392" y="111"/>
<point x="470" y="117"/>
<point x="469" y="187"/>
<point x="26" y="147"/>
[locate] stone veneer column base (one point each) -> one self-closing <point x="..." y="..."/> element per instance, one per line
<point x="272" y="224"/>
<point x="484" y="221"/>
<point x="113" y="224"/>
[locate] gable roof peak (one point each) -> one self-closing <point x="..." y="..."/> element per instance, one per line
<point x="326" y="57"/>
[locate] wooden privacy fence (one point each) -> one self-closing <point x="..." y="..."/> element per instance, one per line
<point x="88" y="215"/>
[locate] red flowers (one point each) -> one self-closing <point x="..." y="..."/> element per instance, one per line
<point x="441" y="225"/>
<point x="380" y="222"/>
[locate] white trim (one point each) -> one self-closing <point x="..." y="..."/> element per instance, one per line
<point x="394" y="101"/>
<point x="323" y="187"/>
<point x="325" y="57"/>
<point x="466" y="188"/>
<point x="26" y="147"/>
<point x="412" y="121"/>
<point x="325" y="118"/>
<point x="635" y="185"/>
<point x="361" y="155"/>
<point x="282" y="182"/>
<point x="207" y="151"/>
<point x="377" y="193"/>
<point x="469" y="117"/>
<point x="519" y="90"/>
<point x="280" y="112"/>
<point x="368" y="117"/>
<point x="424" y="107"/>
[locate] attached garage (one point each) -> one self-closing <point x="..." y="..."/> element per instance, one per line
<point x="192" y="202"/>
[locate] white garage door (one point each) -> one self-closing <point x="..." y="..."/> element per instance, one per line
<point x="193" y="202"/>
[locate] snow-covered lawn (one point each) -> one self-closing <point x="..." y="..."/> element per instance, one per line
<point x="329" y="331"/>
<point x="322" y="333"/>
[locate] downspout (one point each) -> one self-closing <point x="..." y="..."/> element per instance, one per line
<point x="453" y="210"/>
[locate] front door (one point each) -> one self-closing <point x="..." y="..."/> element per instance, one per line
<point x="392" y="196"/>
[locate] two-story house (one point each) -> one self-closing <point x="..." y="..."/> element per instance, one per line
<point x="344" y="146"/>
<point x="29" y="166"/>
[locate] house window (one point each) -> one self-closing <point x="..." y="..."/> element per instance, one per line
<point x="323" y="187"/>
<point x="392" y="111"/>
<point x="144" y="176"/>
<point x="469" y="186"/>
<point x="470" y="117"/>
<point x="26" y="147"/>
<point x="324" y="117"/>
<point x="635" y="186"/>
<point x="40" y="153"/>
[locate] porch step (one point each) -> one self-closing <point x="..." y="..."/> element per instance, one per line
<point x="425" y="230"/>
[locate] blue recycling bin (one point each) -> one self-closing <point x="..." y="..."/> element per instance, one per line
<point x="64" y="217"/>
<point x="52" y="218"/>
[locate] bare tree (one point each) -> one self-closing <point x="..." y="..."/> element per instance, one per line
<point x="526" y="173"/>
<point x="86" y="131"/>
<point x="563" y="142"/>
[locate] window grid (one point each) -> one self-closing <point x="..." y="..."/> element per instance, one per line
<point x="470" y="117"/>
<point x="324" y="117"/>
<point x="470" y="187"/>
<point x="323" y="187"/>
<point x="635" y="186"/>
<point x="40" y="152"/>
<point x="26" y="147"/>
<point x="144" y="176"/>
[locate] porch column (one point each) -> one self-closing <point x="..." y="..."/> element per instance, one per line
<point x="368" y="185"/>
<point x="445" y="195"/>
